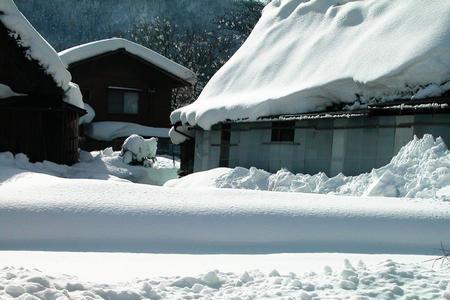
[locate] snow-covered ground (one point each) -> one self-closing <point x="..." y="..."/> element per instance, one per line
<point x="223" y="242"/>
<point x="421" y="169"/>
<point x="282" y="276"/>
<point x="42" y="212"/>
<point x="104" y="165"/>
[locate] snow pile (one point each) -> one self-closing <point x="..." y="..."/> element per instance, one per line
<point x="102" y="165"/>
<point x="108" y="131"/>
<point x="384" y="280"/>
<point x="305" y="56"/>
<point x="82" y="52"/>
<point x="39" y="50"/>
<point x="41" y="212"/>
<point x="421" y="169"/>
<point x="137" y="150"/>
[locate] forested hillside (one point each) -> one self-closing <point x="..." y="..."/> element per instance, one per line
<point x="200" y="34"/>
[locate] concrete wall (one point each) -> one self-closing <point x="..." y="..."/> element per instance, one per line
<point x="348" y="145"/>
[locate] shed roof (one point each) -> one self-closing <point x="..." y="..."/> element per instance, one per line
<point x="36" y="48"/>
<point x="93" y="49"/>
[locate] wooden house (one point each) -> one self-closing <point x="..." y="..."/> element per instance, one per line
<point x="321" y="86"/>
<point x="125" y="82"/>
<point x="39" y="106"/>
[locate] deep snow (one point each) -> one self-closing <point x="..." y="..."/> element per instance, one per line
<point x="385" y="279"/>
<point x="41" y="212"/>
<point x="103" y="165"/>
<point x="305" y="56"/>
<point x="39" y="50"/>
<point x="421" y="169"/>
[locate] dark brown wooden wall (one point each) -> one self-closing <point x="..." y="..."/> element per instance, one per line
<point x="124" y="70"/>
<point x="40" y="134"/>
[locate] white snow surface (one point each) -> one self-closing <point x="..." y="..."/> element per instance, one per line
<point x="305" y="56"/>
<point x="421" y="169"/>
<point x="100" y="165"/>
<point x="356" y="280"/>
<point x="110" y="130"/>
<point x="44" y="212"/>
<point x="92" y="49"/>
<point x="39" y="49"/>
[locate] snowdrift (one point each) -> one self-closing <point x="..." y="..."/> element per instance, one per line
<point x="305" y="56"/>
<point x="421" y="169"/>
<point x="92" y="215"/>
<point x="103" y="165"/>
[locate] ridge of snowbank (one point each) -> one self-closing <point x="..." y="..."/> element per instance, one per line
<point x="81" y="52"/>
<point x="94" y="215"/>
<point x="40" y="50"/>
<point x="305" y="56"/>
<point x="421" y="169"/>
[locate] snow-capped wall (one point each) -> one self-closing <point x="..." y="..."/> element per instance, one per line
<point x="96" y="48"/>
<point x="39" y="50"/>
<point x="110" y="130"/>
<point x="304" y="56"/>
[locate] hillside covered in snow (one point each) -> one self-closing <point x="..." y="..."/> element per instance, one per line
<point x="306" y="56"/>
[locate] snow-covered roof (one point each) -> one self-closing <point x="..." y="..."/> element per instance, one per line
<point x="305" y="56"/>
<point x="39" y="50"/>
<point x="85" y="51"/>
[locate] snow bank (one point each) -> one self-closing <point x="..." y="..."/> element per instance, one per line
<point x="305" y="56"/>
<point x="108" y="131"/>
<point x="82" y="52"/>
<point x="102" y="165"/>
<point x="387" y="279"/>
<point x="421" y="169"/>
<point x="39" y="50"/>
<point x="95" y="215"/>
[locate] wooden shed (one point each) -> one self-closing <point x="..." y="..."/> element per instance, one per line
<point x="125" y="82"/>
<point x="39" y="107"/>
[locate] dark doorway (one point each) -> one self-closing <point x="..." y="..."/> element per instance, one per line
<point x="225" y="138"/>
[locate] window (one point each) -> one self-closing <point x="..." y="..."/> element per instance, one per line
<point x="123" y="101"/>
<point x="283" y="131"/>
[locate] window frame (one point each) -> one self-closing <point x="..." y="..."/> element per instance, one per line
<point x="282" y="132"/>
<point x="123" y="91"/>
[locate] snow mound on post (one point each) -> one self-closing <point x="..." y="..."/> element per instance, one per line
<point x="39" y="50"/>
<point x="305" y="56"/>
<point x="421" y="169"/>
<point x="82" y="52"/>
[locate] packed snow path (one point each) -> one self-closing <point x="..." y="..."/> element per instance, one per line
<point x="42" y="212"/>
<point x="385" y="280"/>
